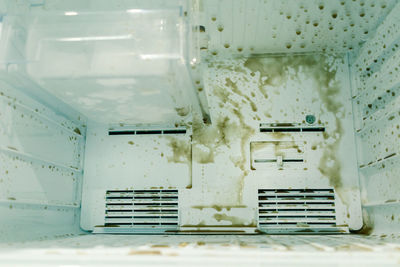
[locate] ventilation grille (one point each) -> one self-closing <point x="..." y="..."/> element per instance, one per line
<point x="287" y="210"/>
<point x="142" y="209"/>
<point x="147" y="132"/>
<point x="289" y="127"/>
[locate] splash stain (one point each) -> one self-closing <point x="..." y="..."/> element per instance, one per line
<point x="77" y="131"/>
<point x="233" y="220"/>
<point x="229" y="83"/>
<point x="183" y="112"/>
<point x="275" y="71"/>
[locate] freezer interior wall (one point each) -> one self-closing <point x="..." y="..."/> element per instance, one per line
<point x="41" y="167"/>
<point x="375" y="97"/>
<point x="42" y="144"/>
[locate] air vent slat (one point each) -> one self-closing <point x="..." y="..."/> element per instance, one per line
<point x="296" y="201"/>
<point x="142" y="209"/>
<point x="289" y="127"/>
<point x="291" y="209"/>
<point x="147" y="132"/>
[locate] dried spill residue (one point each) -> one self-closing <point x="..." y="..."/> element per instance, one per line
<point x="77" y="131"/>
<point x="181" y="153"/>
<point x="275" y="71"/>
<point x="231" y="124"/>
<point x="144" y="252"/>
<point x="183" y="112"/>
<point x="233" y="220"/>
<point x="235" y="89"/>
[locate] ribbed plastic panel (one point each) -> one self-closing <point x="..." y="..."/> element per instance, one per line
<point x="297" y="211"/>
<point x="140" y="211"/>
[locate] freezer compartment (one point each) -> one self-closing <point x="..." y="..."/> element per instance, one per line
<point x="258" y="139"/>
<point x="175" y="132"/>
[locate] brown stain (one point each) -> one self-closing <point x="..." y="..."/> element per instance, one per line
<point x="275" y="72"/>
<point x="233" y="220"/>
<point x="201" y="226"/>
<point x="243" y="244"/>
<point x="160" y="246"/>
<point x="229" y="83"/>
<point x="279" y="135"/>
<point x="183" y="112"/>
<point x="245" y="133"/>
<point x="353" y="247"/>
<point x="207" y="139"/>
<point x="270" y="72"/>
<point x="368" y="225"/>
<point x="144" y="252"/>
<point x="77" y="131"/>
<point x="181" y="153"/>
<point x="183" y="244"/>
<point x="200" y="243"/>
<point x="131" y="143"/>
<point x="207" y="231"/>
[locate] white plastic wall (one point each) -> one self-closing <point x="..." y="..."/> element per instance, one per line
<point x="41" y="168"/>
<point x="42" y="143"/>
<point x="376" y="99"/>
